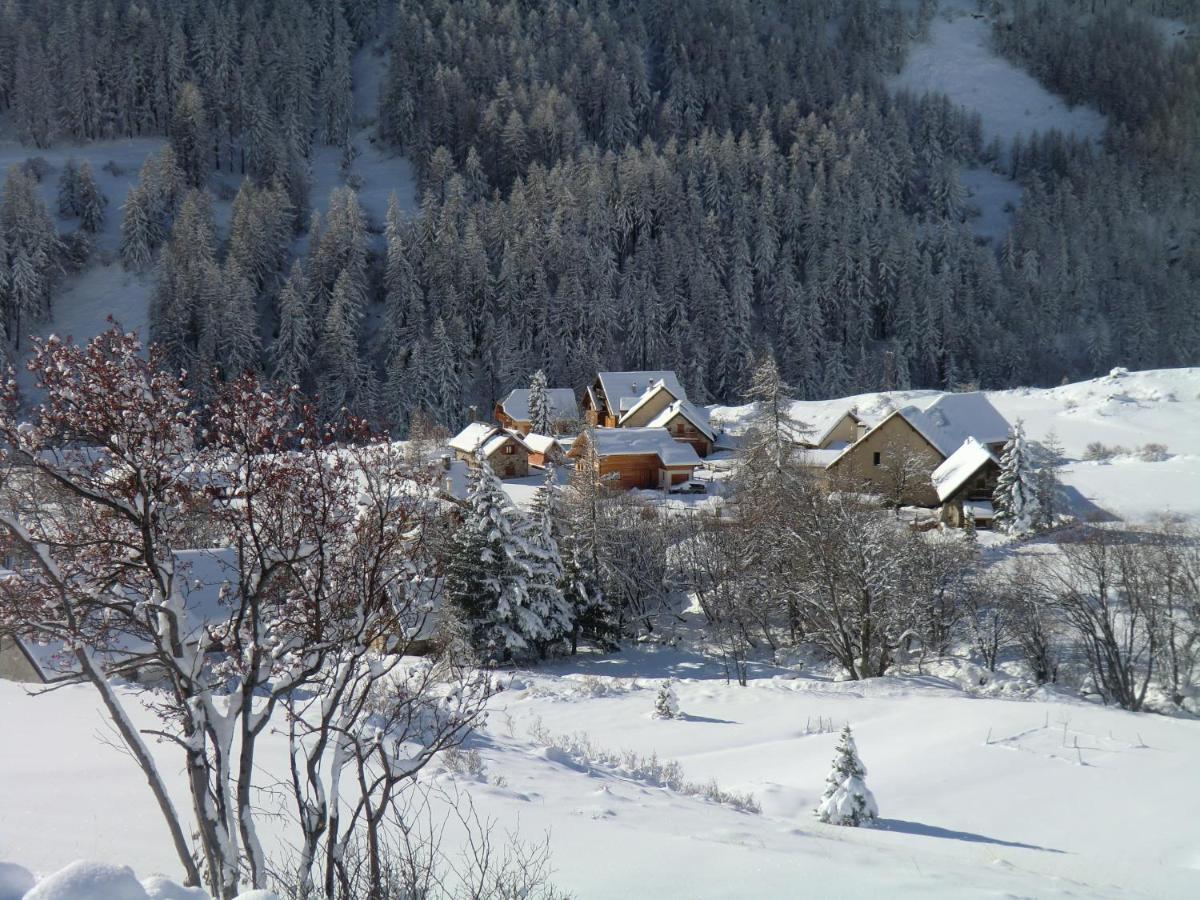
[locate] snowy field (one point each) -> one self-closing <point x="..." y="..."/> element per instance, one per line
<point x="1028" y="795"/>
<point x="1122" y="410"/>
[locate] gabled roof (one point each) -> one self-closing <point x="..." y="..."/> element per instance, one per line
<point x="953" y="418"/>
<point x="960" y="467"/>
<point x="816" y="426"/>
<point x="623" y="389"/>
<point x="697" y="417"/>
<point x="541" y="443"/>
<point x="642" y="441"/>
<point x="561" y="400"/>
<point x="482" y="436"/>
<point x="653" y="391"/>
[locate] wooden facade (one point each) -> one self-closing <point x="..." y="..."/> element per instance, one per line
<point x="979" y="488"/>
<point x="683" y="430"/>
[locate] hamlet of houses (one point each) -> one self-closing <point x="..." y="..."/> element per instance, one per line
<point x="638" y="430"/>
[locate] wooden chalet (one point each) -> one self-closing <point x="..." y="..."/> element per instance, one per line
<point x="918" y="440"/>
<point x="613" y="395"/>
<point x="966" y="482"/>
<point x="626" y="458"/>
<point x="505" y="451"/>
<point x="832" y="430"/>
<point x="513" y="411"/>
<point x="544" y="450"/>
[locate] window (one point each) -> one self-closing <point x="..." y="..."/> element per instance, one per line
<point x="510" y="449"/>
<point x="679" y="427"/>
<point x="874" y="459"/>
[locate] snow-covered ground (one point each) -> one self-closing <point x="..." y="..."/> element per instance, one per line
<point x="1121" y="410"/>
<point x="958" y="60"/>
<point x="980" y="796"/>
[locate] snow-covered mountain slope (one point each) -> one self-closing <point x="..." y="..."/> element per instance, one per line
<point x="957" y="59"/>
<point x="979" y="796"/>
<point x="1124" y="411"/>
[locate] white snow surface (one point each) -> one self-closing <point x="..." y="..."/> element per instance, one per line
<point x="83" y="880"/>
<point x="958" y="60"/>
<point x="983" y="791"/>
<point x="1123" y="409"/>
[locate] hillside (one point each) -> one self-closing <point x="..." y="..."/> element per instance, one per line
<point x="980" y="796"/>
<point x="1124" y="411"/>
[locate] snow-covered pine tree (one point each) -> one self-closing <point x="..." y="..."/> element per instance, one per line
<point x="1016" y="497"/>
<point x="547" y="599"/>
<point x="847" y="799"/>
<point x="489" y="574"/>
<point x="68" y="190"/>
<point x="1048" y="488"/>
<point x="666" y="704"/>
<point x="91" y="202"/>
<point x="136" y="230"/>
<point x="290" y="354"/>
<point x="539" y="405"/>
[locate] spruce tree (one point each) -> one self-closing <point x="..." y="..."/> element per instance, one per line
<point x="91" y="201"/>
<point x="666" y="704"/>
<point x="540" y="421"/>
<point x="1016" y="496"/>
<point x="489" y="573"/>
<point x="547" y="599"/>
<point x="291" y="353"/>
<point x="847" y="800"/>
<point x="68" y="190"/>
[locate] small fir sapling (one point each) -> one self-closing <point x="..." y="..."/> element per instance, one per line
<point x="847" y="799"/>
<point x="666" y="704"/>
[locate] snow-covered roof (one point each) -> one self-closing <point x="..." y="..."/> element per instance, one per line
<point x="816" y="424"/>
<point x="561" y="401"/>
<point x="630" y="405"/>
<point x="482" y="436"/>
<point x="952" y="418"/>
<point x="638" y="441"/>
<point x="698" y="417"/>
<point x="819" y="458"/>
<point x="624" y="389"/>
<point x="541" y="443"/>
<point x="960" y="467"/>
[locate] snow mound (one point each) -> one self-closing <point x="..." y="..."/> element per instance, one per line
<point x="160" y="888"/>
<point x="257" y="895"/>
<point x="83" y="880"/>
<point x="15" y="881"/>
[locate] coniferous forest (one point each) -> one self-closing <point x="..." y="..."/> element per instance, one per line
<point x="608" y="184"/>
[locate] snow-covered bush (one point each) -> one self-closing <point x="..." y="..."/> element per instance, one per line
<point x="847" y="799"/>
<point x="666" y="704"/>
<point x="1152" y="452"/>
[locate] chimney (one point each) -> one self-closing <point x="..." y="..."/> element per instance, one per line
<point x="474" y="412"/>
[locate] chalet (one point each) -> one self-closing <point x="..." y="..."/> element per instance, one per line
<point x="635" y="457"/>
<point x="613" y="395"/>
<point x="966" y="482"/>
<point x="544" y="450"/>
<point x="506" y="451"/>
<point x="513" y="411"/>
<point x="829" y="429"/>
<point x="900" y="454"/>
<point x="686" y="423"/>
